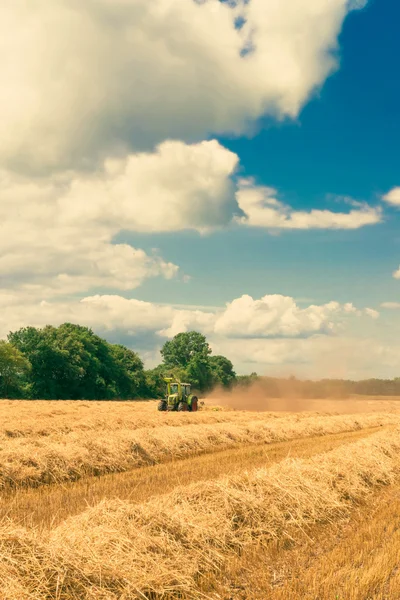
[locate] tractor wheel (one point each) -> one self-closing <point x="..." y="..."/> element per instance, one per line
<point x="194" y="404"/>
<point x="182" y="406"/>
<point x="162" y="405"/>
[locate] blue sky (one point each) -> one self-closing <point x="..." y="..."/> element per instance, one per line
<point x="161" y="170"/>
<point x="345" y="142"/>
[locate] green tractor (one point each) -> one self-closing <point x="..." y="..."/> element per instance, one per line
<point x="178" y="397"/>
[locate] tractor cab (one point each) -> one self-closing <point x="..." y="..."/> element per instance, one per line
<point x="174" y="388"/>
<point x="178" y="397"/>
<point x="186" y="389"/>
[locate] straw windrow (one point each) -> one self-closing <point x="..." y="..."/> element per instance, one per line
<point x="60" y="457"/>
<point x="162" y="547"/>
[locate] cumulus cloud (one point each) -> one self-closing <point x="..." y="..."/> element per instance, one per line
<point x="270" y="333"/>
<point x="371" y="312"/>
<point x="56" y="233"/>
<point x="86" y="80"/>
<point x="391" y="305"/>
<point x="45" y="250"/>
<point x="273" y="316"/>
<point x="393" y="197"/>
<point x="177" y="186"/>
<point x="396" y="274"/>
<point x="261" y="208"/>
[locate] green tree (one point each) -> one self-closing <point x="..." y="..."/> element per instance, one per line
<point x="129" y="376"/>
<point x="187" y="357"/>
<point x="222" y="371"/>
<point x="14" y="367"/>
<point x="71" y="362"/>
<point x="46" y="360"/>
<point x="155" y="384"/>
<point x="181" y="350"/>
<point x="199" y="373"/>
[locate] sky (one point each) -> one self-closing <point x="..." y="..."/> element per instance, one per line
<point x="230" y="167"/>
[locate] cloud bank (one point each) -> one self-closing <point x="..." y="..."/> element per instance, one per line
<point x="87" y="80"/>
<point x="107" y="121"/>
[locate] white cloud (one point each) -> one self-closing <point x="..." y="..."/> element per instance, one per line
<point x="262" y="209"/>
<point x="56" y="233"/>
<point x="177" y="186"/>
<point x="396" y="274"/>
<point x="391" y="305"/>
<point x="84" y="80"/>
<point x="371" y="312"/>
<point x="270" y="316"/>
<point x="271" y="335"/>
<point x="393" y="197"/>
<point x="273" y="316"/>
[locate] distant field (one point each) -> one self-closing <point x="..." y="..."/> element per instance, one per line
<point x="114" y="500"/>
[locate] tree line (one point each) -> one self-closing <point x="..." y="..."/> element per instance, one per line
<point x="72" y="362"/>
<point x="272" y="387"/>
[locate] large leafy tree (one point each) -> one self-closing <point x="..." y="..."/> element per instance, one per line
<point x="222" y="371"/>
<point x="129" y="375"/>
<point x="14" y="368"/>
<point x="191" y="353"/>
<point x="47" y="361"/>
<point x="71" y="361"/>
<point x="184" y="347"/>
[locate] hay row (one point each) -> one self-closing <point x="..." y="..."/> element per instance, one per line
<point x="41" y="418"/>
<point x="159" y="549"/>
<point x="56" y="459"/>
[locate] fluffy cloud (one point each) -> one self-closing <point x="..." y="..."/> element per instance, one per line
<point x="272" y="316"/>
<point x="177" y="186"/>
<point x="371" y="312"/>
<point x="45" y="251"/>
<point x="393" y="197"/>
<point x="56" y="233"/>
<point x="391" y="305"/>
<point x="86" y="80"/>
<point x="262" y="209"/>
<point x="271" y="334"/>
<point x="92" y="92"/>
<point x="396" y="274"/>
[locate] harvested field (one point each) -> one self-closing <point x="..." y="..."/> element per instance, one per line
<point x="95" y="445"/>
<point x="46" y="506"/>
<point x="352" y="559"/>
<point x="234" y="505"/>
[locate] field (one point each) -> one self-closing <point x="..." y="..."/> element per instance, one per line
<point x="113" y="500"/>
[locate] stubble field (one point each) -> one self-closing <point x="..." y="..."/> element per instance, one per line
<point x="113" y="500"/>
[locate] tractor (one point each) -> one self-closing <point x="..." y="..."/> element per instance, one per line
<point x="178" y="397"/>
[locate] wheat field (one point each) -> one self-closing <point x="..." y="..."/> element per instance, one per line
<point x="113" y="500"/>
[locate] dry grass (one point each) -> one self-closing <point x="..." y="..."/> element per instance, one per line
<point x="42" y="418"/>
<point x="168" y="545"/>
<point x="46" y="506"/>
<point x="355" y="559"/>
<point x="174" y="528"/>
<point x="117" y="437"/>
<point x="27" y="418"/>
